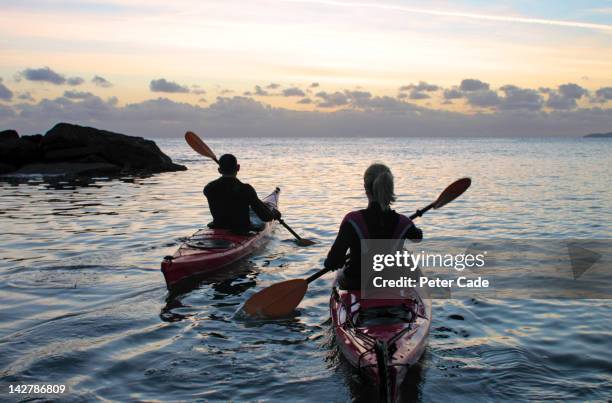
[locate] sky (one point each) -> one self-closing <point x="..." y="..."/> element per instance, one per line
<point x="308" y="67"/>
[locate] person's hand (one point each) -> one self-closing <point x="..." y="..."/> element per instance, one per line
<point x="276" y="214"/>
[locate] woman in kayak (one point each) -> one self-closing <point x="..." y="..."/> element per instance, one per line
<point x="377" y="221"/>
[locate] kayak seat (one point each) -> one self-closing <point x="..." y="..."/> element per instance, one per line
<point x="203" y="243"/>
<point x="385" y="315"/>
<point x="254" y="228"/>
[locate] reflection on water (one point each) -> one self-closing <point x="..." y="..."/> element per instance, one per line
<point x="82" y="300"/>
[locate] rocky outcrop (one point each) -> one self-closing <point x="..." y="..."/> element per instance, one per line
<point x="77" y="150"/>
<point x="599" y="136"/>
<point x="8" y="135"/>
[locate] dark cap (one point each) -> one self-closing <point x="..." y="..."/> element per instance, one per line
<point x="228" y="164"/>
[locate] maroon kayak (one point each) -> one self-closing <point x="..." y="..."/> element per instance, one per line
<point x="380" y="337"/>
<point x="209" y="250"/>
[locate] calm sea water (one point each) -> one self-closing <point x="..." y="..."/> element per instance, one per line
<point x="82" y="300"/>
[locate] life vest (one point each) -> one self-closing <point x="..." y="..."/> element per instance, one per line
<point x="355" y="218"/>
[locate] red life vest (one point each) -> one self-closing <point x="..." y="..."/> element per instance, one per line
<point x="355" y="218"/>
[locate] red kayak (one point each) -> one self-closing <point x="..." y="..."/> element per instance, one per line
<point x="381" y="337"/>
<point x="210" y="249"/>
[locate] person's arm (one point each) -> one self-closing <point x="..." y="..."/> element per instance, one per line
<point x="336" y="258"/>
<point x="414" y="234"/>
<point x="260" y="208"/>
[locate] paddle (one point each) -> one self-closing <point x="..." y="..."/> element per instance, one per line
<point x="298" y="239"/>
<point x="282" y="298"/>
<point x="201" y="148"/>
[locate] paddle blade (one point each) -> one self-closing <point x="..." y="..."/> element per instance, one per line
<point x="304" y="242"/>
<point x="199" y="146"/>
<point x="278" y="300"/>
<point x="453" y="191"/>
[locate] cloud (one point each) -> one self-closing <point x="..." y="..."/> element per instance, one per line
<point x="260" y="92"/>
<point x="198" y="91"/>
<point x="520" y="98"/>
<point x="225" y="91"/>
<point x="604" y="93"/>
<point x="101" y="82"/>
<point x="414" y="94"/>
<point x="358" y="95"/>
<point x="383" y="104"/>
<point x="44" y="74"/>
<point x="241" y="116"/>
<point x="313" y="85"/>
<point x="572" y="90"/>
<point x="470" y="84"/>
<point x="90" y="109"/>
<point x="272" y="86"/>
<point x="77" y="94"/>
<point x="305" y="101"/>
<point x="332" y="100"/>
<point x="5" y="93"/>
<point x="26" y="96"/>
<point x="483" y="98"/>
<point x="293" y="92"/>
<point x="452" y="93"/>
<point x="6" y="112"/>
<point x="422" y="86"/>
<point x="74" y="81"/>
<point x="565" y="97"/>
<point x="557" y="101"/>
<point x="163" y="85"/>
<point x="202" y="100"/>
<point x="361" y="100"/>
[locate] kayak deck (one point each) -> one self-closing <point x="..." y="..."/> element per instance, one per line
<point x="381" y="335"/>
<point x="211" y="249"/>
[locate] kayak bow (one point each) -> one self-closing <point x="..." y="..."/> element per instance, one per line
<point x="210" y="249"/>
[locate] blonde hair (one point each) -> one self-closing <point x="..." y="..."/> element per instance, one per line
<point x="378" y="182"/>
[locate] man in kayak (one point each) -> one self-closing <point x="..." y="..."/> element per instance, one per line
<point x="377" y="221"/>
<point x="229" y="200"/>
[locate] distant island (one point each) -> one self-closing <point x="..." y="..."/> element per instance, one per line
<point x="74" y="150"/>
<point x="599" y="136"/>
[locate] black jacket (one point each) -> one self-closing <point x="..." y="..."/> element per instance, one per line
<point x="229" y="201"/>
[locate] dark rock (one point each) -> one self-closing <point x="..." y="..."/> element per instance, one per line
<point x="35" y="138"/>
<point x="77" y="150"/>
<point x="64" y="154"/>
<point x="8" y="135"/>
<point x="90" y="159"/>
<point x="5" y="168"/>
<point x="19" y="152"/>
<point x="130" y="153"/>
